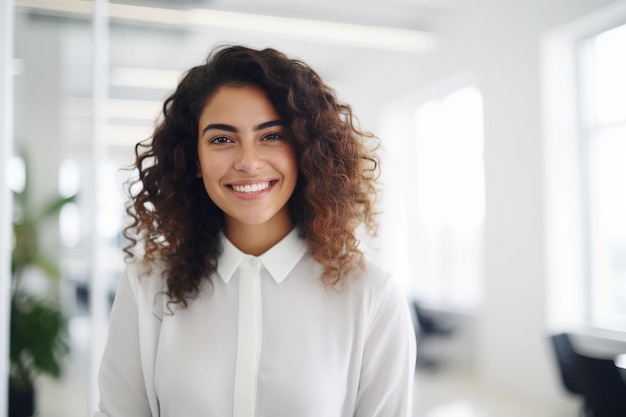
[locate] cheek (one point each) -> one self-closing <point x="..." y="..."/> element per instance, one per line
<point x="211" y="183"/>
<point x="210" y="170"/>
<point x="294" y="172"/>
<point x="290" y="164"/>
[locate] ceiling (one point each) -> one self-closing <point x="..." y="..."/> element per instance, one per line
<point x="414" y="14"/>
<point x="400" y="26"/>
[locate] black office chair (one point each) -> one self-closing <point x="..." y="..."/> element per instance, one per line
<point x="603" y="386"/>
<point x="566" y="361"/>
<point x="427" y="326"/>
<point x="569" y="370"/>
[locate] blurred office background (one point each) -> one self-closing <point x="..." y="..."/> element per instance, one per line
<point x="503" y="130"/>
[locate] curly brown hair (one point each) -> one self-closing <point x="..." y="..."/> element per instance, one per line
<point x="178" y="224"/>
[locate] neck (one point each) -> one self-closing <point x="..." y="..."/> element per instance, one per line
<point x="257" y="239"/>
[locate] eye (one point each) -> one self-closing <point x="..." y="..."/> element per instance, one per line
<point x="272" y="136"/>
<point x="219" y="140"/>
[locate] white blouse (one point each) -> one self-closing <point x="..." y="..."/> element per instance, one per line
<point x="264" y="338"/>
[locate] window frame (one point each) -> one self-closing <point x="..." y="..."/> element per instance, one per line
<point x="590" y="132"/>
<point x="565" y="191"/>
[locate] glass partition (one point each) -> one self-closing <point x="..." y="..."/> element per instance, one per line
<point x="6" y="145"/>
<point x="53" y="141"/>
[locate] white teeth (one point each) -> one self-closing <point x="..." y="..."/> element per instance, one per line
<point x="251" y="188"/>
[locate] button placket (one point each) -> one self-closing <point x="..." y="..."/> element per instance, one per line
<point x="249" y="338"/>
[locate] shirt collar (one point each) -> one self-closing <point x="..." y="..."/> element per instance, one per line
<point x="279" y="260"/>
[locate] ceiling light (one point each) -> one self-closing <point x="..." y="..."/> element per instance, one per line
<point x="141" y="110"/>
<point x="18" y="66"/>
<point x="144" y="77"/>
<point x="128" y="136"/>
<point x="366" y="36"/>
<point x="119" y="109"/>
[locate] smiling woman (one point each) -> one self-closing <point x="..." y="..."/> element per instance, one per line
<point x="252" y="297"/>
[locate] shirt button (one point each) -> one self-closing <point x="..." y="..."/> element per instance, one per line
<point x="253" y="262"/>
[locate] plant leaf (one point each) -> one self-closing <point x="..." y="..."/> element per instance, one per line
<point x="53" y="207"/>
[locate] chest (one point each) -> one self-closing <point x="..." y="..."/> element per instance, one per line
<point x="306" y="356"/>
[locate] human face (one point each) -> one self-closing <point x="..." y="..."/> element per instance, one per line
<point x="247" y="164"/>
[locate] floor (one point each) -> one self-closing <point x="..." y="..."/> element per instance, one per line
<point x="457" y="394"/>
<point x="439" y="392"/>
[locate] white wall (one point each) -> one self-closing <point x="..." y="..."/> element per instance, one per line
<point x="499" y="44"/>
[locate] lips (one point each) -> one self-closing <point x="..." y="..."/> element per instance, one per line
<point x="251" y="188"/>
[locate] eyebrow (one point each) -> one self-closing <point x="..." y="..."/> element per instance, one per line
<point x="233" y="129"/>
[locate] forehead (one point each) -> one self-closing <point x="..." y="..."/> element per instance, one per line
<point x="238" y="101"/>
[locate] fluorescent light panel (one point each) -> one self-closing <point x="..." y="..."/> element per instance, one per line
<point x="58" y="7"/>
<point x="143" y="110"/>
<point x="119" y="109"/>
<point x="376" y="37"/>
<point x="144" y="77"/>
<point x="118" y="135"/>
<point x="18" y="66"/>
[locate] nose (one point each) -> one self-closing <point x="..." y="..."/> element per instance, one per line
<point x="248" y="158"/>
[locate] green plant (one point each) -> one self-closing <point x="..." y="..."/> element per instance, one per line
<point x="38" y="330"/>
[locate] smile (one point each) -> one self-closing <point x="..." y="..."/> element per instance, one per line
<point x="251" y="188"/>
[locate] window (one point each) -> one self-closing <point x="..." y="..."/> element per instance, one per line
<point x="449" y="178"/>
<point x="603" y="115"/>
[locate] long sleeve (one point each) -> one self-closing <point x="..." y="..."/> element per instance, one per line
<point x="121" y="378"/>
<point x="388" y="368"/>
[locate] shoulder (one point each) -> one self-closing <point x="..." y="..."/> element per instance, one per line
<point x="144" y="283"/>
<point x="384" y="287"/>
<point x="386" y="298"/>
<point x="143" y="276"/>
<point x="370" y="276"/>
<point x="371" y="283"/>
<point x="375" y="273"/>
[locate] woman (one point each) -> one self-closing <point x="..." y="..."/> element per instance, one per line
<point x="251" y="296"/>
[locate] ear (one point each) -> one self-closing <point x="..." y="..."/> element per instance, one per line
<point x="198" y="169"/>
